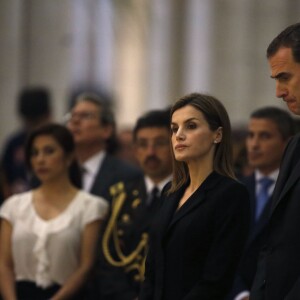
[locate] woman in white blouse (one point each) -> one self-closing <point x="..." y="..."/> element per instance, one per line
<point x="48" y="235"/>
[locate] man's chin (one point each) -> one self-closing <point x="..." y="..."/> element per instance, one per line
<point x="294" y="108"/>
<point x="255" y="165"/>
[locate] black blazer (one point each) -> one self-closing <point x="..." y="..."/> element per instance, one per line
<point x="194" y="251"/>
<point x="278" y="270"/>
<point x="256" y="239"/>
<point x="112" y="170"/>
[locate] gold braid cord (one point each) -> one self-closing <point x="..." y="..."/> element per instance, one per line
<point x="111" y="231"/>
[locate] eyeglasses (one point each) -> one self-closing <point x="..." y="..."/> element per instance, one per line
<point x="82" y="116"/>
<point x="156" y="144"/>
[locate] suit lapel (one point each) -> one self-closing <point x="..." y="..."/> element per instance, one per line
<point x="169" y="207"/>
<point x="291" y="180"/>
<point x="258" y="226"/>
<point x="287" y="178"/>
<point x="196" y="199"/>
<point x="250" y="184"/>
<point x="103" y="175"/>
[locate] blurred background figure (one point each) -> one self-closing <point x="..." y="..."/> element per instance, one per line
<point x="1" y="188"/>
<point x="240" y="159"/>
<point x="34" y="109"/>
<point x="126" y="149"/>
<point x="49" y="234"/>
<point x="241" y="164"/>
<point x="93" y="126"/>
<point x="269" y="130"/>
<point x="134" y="206"/>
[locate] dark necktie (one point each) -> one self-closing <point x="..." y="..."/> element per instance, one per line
<point x="154" y="196"/>
<point x="263" y="195"/>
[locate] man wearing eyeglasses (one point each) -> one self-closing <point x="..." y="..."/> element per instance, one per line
<point x="121" y="266"/>
<point x="92" y="124"/>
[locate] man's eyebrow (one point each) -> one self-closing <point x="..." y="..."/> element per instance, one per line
<point x="279" y="75"/>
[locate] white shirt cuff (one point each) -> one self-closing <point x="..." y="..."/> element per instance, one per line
<point x="242" y="295"/>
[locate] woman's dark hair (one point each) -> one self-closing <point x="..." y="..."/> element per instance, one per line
<point x="216" y="116"/>
<point x="64" y="138"/>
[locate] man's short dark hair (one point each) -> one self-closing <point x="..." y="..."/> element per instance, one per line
<point x="153" y="118"/>
<point x="288" y="38"/>
<point x="282" y="119"/>
<point x="34" y="103"/>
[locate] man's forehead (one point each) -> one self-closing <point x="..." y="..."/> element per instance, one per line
<point x="86" y="105"/>
<point x="262" y="124"/>
<point x="147" y="132"/>
<point x="281" y="58"/>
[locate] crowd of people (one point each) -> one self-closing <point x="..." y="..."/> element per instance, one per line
<point x="174" y="217"/>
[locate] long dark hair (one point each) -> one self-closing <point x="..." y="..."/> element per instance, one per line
<point x="216" y="116"/>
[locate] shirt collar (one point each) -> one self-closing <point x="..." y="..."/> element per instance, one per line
<point x="150" y="184"/>
<point x="93" y="164"/>
<point x="273" y="175"/>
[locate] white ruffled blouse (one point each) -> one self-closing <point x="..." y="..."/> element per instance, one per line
<point x="47" y="252"/>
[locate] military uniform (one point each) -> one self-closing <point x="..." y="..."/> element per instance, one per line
<point x="120" y="266"/>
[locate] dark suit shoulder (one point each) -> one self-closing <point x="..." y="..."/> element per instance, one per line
<point x="229" y="193"/>
<point x="292" y="146"/>
<point x="121" y="167"/>
<point x="246" y="179"/>
<point x="225" y="184"/>
<point x="295" y="139"/>
<point x="134" y="192"/>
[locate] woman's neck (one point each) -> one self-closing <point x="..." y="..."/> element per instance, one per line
<point x="58" y="187"/>
<point x="198" y="173"/>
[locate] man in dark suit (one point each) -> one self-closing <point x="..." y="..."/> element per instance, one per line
<point x="34" y="109"/>
<point x="92" y="124"/>
<point x="120" y="268"/>
<point x="269" y="130"/>
<point x="278" y="270"/>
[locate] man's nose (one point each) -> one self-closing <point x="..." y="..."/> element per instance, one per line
<point x="281" y="91"/>
<point x="151" y="147"/>
<point x="253" y="143"/>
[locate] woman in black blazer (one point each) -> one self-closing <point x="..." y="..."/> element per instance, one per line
<point x="201" y="228"/>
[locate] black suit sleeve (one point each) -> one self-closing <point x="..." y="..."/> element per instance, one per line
<point x="238" y="287"/>
<point x="295" y="292"/>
